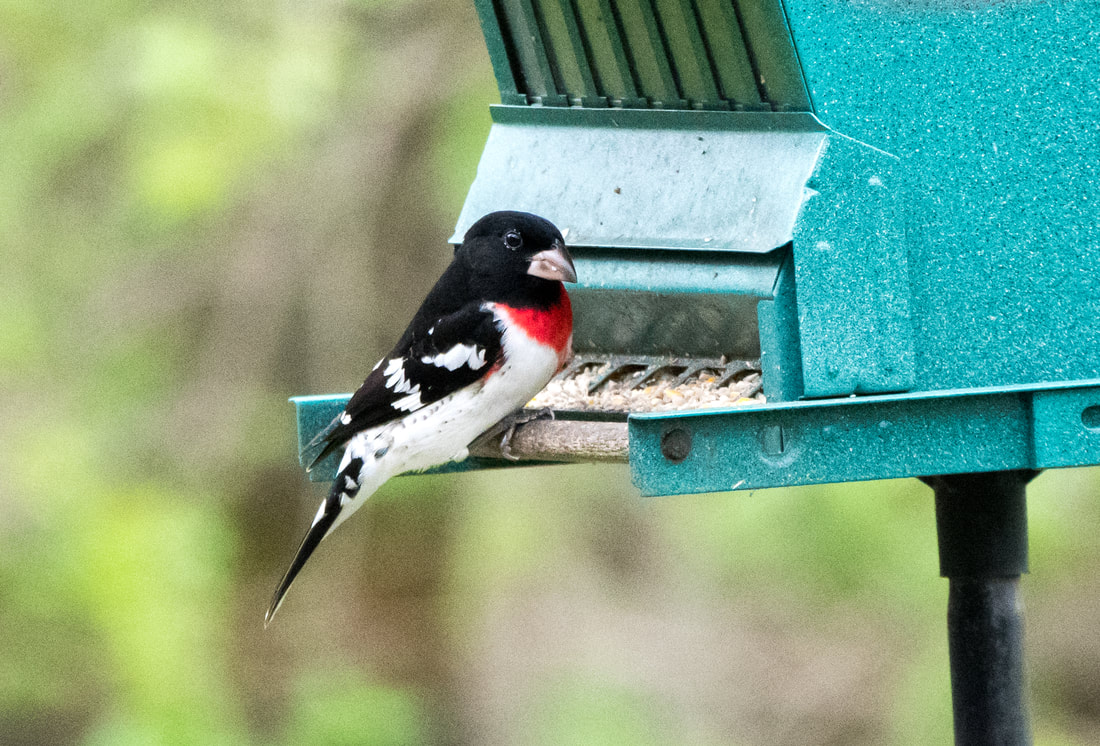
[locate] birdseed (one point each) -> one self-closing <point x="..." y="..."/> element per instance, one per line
<point x="656" y="395"/>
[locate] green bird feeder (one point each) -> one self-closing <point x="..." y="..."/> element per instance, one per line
<point x="887" y="209"/>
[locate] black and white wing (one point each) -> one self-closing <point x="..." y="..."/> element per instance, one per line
<point x="456" y="351"/>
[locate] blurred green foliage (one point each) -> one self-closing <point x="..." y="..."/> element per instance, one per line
<point x="334" y="707"/>
<point x="207" y="208"/>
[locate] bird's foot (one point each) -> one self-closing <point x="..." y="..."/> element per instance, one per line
<point x="521" y="417"/>
<point x="506" y="428"/>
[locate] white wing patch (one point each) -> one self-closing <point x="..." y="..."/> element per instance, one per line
<point x="410" y="402"/>
<point x="456" y="357"/>
<point x="396" y="382"/>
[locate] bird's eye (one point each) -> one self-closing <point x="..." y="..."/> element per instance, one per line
<point x="513" y="240"/>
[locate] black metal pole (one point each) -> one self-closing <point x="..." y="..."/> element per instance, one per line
<point x="981" y="525"/>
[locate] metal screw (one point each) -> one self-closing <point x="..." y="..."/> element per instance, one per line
<point x="676" y="444"/>
<point x="1090" y="417"/>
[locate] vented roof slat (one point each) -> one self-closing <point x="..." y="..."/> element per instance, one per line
<point x="769" y="43"/>
<point x="498" y="53"/>
<point x="647" y="53"/>
<point x="727" y="48"/>
<point x="689" y="55"/>
<point x="527" y="42"/>
<point x="561" y="32"/>
<point x="612" y="71"/>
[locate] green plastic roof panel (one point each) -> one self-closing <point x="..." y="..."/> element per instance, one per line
<point x="730" y="182"/>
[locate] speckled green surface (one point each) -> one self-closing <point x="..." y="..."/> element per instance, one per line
<point x="852" y="276"/>
<point x="993" y="112"/>
<point x="869" y="437"/>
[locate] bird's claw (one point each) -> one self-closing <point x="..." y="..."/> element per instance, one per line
<point x="507" y="427"/>
<point x="506" y="443"/>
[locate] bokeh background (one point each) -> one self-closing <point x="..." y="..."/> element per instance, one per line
<point x="208" y="207"/>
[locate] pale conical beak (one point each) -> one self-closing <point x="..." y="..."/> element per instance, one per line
<point x="554" y="263"/>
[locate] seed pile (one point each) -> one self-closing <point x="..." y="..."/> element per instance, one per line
<point x="656" y="395"/>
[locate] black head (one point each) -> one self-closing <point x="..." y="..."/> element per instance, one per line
<point x="509" y="255"/>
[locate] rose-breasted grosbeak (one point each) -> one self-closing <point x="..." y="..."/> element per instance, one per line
<point x="492" y="332"/>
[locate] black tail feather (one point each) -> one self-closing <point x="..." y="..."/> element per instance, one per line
<point x="312" y="538"/>
<point x="345" y="486"/>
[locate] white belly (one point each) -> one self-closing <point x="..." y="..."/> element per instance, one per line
<point x="441" y="431"/>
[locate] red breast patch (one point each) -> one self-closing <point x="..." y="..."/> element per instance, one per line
<point x="552" y="327"/>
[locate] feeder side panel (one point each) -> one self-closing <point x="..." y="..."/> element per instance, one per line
<point x="993" y="113"/>
<point x="851" y="270"/>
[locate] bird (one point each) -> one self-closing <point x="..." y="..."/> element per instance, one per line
<point x="491" y="333"/>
